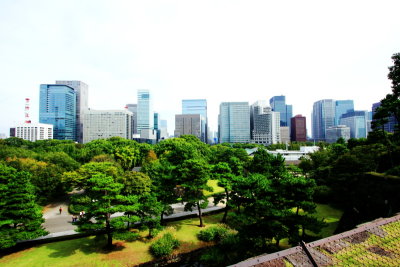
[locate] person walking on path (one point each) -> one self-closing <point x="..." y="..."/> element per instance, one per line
<point x="60" y="209"/>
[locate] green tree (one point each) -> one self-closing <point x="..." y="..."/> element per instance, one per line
<point x="176" y="150"/>
<point x="135" y="184"/>
<point x="80" y="177"/>
<point x="20" y="216"/>
<point x="46" y="177"/>
<point x="105" y="200"/>
<point x="193" y="175"/>
<point x="223" y="173"/>
<point x="163" y="184"/>
<point x="127" y="156"/>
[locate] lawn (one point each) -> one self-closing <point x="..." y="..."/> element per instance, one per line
<point x="215" y="187"/>
<point x="331" y="216"/>
<point x="88" y="251"/>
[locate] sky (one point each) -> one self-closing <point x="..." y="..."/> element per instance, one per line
<point x="218" y="50"/>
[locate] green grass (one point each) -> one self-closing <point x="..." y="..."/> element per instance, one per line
<point x="331" y="216"/>
<point x="215" y="187"/>
<point x="88" y="251"/>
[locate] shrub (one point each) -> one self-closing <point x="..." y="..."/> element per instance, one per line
<point x="164" y="246"/>
<point x="126" y="235"/>
<point x="214" y="233"/>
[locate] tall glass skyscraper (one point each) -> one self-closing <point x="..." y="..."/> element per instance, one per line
<point x="357" y="121"/>
<point x="323" y="117"/>
<point x="278" y="104"/>
<point x="234" y="122"/>
<point x="58" y="107"/>
<point x="145" y="114"/>
<point x="81" y="90"/>
<point x="197" y="106"/>
<point x="342" y="107"/>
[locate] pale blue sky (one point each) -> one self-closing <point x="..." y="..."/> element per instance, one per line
<point x="218" y="50"/>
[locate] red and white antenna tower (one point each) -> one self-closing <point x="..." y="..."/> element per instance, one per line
<point x="27" y="120"/>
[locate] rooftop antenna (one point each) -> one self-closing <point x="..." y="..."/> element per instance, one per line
<point x="27" y="120"/>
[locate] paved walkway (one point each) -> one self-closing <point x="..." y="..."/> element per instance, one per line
<point x="61" y="224"/>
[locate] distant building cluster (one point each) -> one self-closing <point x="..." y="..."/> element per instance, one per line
<point x="64" y="114"/>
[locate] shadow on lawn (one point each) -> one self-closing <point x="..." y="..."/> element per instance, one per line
<point x="85" y="245"/>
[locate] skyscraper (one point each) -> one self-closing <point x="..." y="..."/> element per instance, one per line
<point x="266" y="127"/>
<point x="188" y="124"/>
<point x="58" y="107"/>
<point x="81" y="90"/>
<point x="197" y="106"/>
<point x="234" y="122"/>
<point x="298" y="130"/>
<point x="133" y="108"/>
<point x="357" y="121"/>
<point x="335" y="132"/>
<point x="323" y="116"/>
<point x="278" y="104"/>
<point x="145" y="113"/>
<point x="342" y="107"/>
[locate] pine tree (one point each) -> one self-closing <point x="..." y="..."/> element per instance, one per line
<point x="20" y="217"/>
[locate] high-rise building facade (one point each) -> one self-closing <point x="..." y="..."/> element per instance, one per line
<point x="333" y="133"/>
<point x="278" y="104"/>
<point x="391" y="123"/>
<point x="197" y="106"/>
<point x="357" y="121"/>
<point x="33" y="131"/>
<point x="266" y="129"/>
<point x="323" y="117"/>
<point x="57" y="107"/>
<point x="234" y="122"/>
<point x="102" y="124"/>
<point x="298" y="131"/>
<point x="163" y="129"/>
<point x="342" y="107"/>
<point x="133" y="108"/>
<point x="81" y="90"/>
<point x="145" y="113"/>
<point x="188" y="124"/>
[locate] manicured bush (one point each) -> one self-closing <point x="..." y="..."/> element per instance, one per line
<point x="126" y="235"/>
<point x="214" y="233"/>
<point x="164" y="246"/>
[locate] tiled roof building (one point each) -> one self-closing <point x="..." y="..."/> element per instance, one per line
<point x="372" y="244"/>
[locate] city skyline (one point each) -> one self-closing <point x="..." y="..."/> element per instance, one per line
<point x="303" y="52"/>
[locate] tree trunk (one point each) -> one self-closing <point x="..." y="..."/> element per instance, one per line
<point x="108" y="230"/>
<point x="200" y="217"/>
<point x="297" y="211"/>
<point x="129" y="223"/>
<point x="162" y="218"/>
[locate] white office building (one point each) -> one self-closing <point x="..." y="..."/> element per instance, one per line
<point x="102" y="124"/>
<point x="266" y="129"/>
<point x="33" y="131"/>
